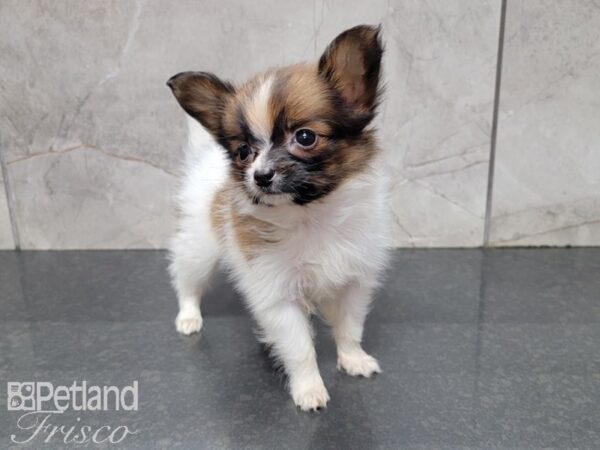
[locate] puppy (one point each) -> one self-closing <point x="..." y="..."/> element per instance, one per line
<point x="284" y="186"/>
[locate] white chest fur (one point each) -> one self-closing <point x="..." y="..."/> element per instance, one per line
<point x="319" y="247"/>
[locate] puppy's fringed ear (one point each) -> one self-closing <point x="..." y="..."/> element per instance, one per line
<point x="351" y="64"/>
<point x="203" y="96"/>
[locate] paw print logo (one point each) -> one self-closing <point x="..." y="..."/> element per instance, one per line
<point x="20" y="396"/>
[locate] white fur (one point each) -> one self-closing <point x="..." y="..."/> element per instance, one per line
<point x="328" y="259"/>
<point x="257" y="111"/>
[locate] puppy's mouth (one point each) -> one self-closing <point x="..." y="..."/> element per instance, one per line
<point x="268" y="190"/>
<point x="262" y="191"/>
<point x="269" y="195"/>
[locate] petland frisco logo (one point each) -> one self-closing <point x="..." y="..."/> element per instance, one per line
<point x="42" y="401"/>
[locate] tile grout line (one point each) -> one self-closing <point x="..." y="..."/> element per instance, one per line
<point x="494" y="136"/>
<point x="10" y="203"/>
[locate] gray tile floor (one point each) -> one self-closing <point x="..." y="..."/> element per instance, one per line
<point x="480" y="349"/>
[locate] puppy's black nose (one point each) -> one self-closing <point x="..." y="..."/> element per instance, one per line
<point x="264" y="179"/>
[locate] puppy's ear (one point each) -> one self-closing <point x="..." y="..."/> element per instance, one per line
<point x="351" y="64"/>
<point x="203" y="96"/>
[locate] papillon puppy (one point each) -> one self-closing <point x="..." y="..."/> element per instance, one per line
<point x="284" y="186"/>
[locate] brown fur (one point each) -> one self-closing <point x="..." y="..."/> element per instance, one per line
<point x="219" y="209"/>
<point x="351" y="64"/>
<point x="250" y="233"/>
<point x="203" y="96"/>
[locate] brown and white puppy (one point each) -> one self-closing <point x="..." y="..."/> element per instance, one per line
<point x="286" y="189"/>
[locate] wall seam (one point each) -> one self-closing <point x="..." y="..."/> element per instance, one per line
<point x="494" y="136"/>
<point x="10" y="203"/>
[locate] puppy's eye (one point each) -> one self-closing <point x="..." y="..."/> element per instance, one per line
<point x="244" y="151"/>
<point x="305" y="138"/>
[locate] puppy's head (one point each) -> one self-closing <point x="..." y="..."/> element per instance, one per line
<point x="295" y="133"/>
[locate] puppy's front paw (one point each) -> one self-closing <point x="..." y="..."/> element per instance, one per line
<point x="310" y="396"/>
<point x="188" y="321"/>
<point x="358" y="364"/>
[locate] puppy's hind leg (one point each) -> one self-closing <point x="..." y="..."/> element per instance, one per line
<point x="193" y="261"/>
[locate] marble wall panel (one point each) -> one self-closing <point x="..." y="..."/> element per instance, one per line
<point x="91" y="136"/>
<point x="547" y="174"/>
